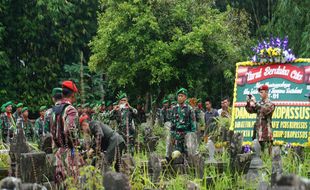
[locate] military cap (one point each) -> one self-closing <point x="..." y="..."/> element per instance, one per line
<point x="19" y="105"/>
<point x="173" y="102"/>
<point x="122" y="95"/>
<point x="115" y="103"/>
<point x="56" y="91"/>
<point x="24" y="109"/>
<point x="9" y="103"/>
<point x="108" y="103"/>
<point x="69" y="85"/>
<point x="42" y="108"/>
<point x="83" y="118"/>
<point x="263" y="87"/>
<point x="164" y="101"/>
<point x="182" y="91"/>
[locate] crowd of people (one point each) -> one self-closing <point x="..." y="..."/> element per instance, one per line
<point x="80" y="133"/>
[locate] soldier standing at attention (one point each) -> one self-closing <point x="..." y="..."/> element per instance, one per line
<point x="7" y="124"/>
<point x="18" y="113"/>
<point x="183" y="121"/>
<point x="264" y="109"/>
<point x="39" y="124"/>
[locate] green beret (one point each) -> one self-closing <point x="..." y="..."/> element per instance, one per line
<point x="174" y="102"/>
<point x="42" y="108"/>
<point x="115" y="103"/>
<point x="182" y="91"/>
<point x="165" y="101"/>
<point x="108" y="103"/>
<point x="78" y="105"/>
<point x="9" y="103"/>
<point x="24" y="109"/>
<point x="19" y="105"/>
<point x="122" y="95"/>
<point x="56" y="91"/>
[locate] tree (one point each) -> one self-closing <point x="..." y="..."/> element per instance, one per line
<point x="158" y="46"/>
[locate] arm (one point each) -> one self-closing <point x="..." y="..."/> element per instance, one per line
<point x="71" y="127"/>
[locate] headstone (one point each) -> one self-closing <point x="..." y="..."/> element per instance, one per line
<point x="192" y="144"/>
<point x="115" y="181"/>
<point x="276" y="164"/>
<point x="17" y="147"/>
<point x="155" y="167"/>
<point x="256" y="164"/>
<point x="46" y="144"/>
<point x="192" y="186"/>
<point x="292" y="182"/>
<point x="32" y="167"/>
<point x="235" y="148"/>
<point x="169" y="145"/>
<point x="196" y="162"/>
<point x="127" y="164"/>
<point x="32" y="186"/>
<point x="10" y="183"/>
<point x="211" y="150"/>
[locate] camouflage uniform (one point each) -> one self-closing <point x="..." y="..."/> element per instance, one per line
<point x="7" y="126"/>
<point x="26" y="125"/>
<point x="124" y="118"/>
<point x="262" y="126"/>
<point x="183" y="121"/>
<point x="107" y="140"/>
<point x="64" y="131"/>
<point x="39" y="127"/>
<point x="17" y="115"/>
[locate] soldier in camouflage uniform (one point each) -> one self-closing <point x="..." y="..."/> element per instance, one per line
<point x="18" y="113"/>
<point x="39" y="123"/>
<point x="264" y="109"/>
<point x="124" y="113"/>
<point x="64" y="131"/>
<point x="56" y="98"/>
<point x="7" y="124"/>
<point x="164" y="112"/>
<point x="183" y="121"/>
<point x="25" y="124"/>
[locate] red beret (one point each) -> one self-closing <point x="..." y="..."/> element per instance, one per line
<point x="69" y="85"/>
<point x="82" y="118"/>
<point x="263" y="87"/>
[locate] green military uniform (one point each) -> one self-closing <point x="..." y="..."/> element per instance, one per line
<point x="183" y="121"/>
<point x="26" y="125"/>
<point x="107" y="140"/>
<point x="17" y="115"/>
<point x="39" y="124"/>
<point x="7" y="124"/>
<point x="124" y="117"/>
<point x="48" y="113"/>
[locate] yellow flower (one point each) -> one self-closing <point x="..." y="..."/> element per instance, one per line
<point x="278" y="143"/>
<point x="246" y="143"/>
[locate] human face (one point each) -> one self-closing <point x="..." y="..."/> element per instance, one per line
<point x="19" y="109"/>
<point x="42" y="113"/>
<point x="263" y="94"/>
<point x="208" y="105"/>
<point x="85" y="127"/>
<point x="181" y="98"/>
<point x="8" y="109"/>
<point x="25" y="114"/>
<point x="123" y="101"/>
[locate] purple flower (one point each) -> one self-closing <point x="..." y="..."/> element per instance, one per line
<point x="285" y="42"/>
<point x="254" y="59"/>
<point x="247" y="149"/>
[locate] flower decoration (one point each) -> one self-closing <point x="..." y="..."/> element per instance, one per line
<point x="247" y="149"/>
<point x="274" y="51"/>
<point x="278" y="143"/>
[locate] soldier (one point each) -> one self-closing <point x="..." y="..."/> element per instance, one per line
<point x="124" y="114"/>
<point x="164" y="112"/>
<point x="39" y="124"/>
<point x="183" y="121"/>
<point x="7" y="124"/>
<point x="264" y="109"/>
<point x="56" y="98"/>
<point x="141" y="118"/>
<point x="64" y="131"/>
<point x="225" y="110"/>
<point x="106" y="140"/>
<point x="24" y="123"/>
<point x="17" y="114"/>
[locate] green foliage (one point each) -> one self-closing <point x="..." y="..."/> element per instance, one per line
<point x="153" y="45"/>
<point x="37" y="38"/>
<point x="91" y="178"/>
